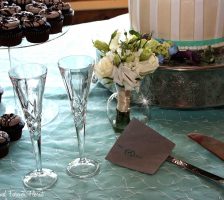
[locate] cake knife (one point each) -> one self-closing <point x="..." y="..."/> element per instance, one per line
<point x="195" y="170"/>
<point x="213" y="145"/>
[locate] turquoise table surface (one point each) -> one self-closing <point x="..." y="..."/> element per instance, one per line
<point x="59" y="145"/>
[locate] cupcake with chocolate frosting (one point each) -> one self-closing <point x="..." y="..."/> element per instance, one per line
<point x="36" y="29"/>
<point x="4" y="144"/>
<point x="55" y="19"/>
<point x="11" y="33"/>
<point x="66" y="10"/>
<point x="13" y="125"/>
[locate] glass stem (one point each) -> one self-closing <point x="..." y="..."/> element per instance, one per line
<point x="14" y="94"/>
<point x="80" y="131"/>
<point x="36" y="142"/>
<point x="10" y="60"/>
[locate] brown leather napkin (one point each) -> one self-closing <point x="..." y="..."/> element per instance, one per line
<point x="140" y="148"/>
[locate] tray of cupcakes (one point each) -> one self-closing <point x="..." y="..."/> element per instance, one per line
<point x="11" y="126"/>
<point x="35" y="21"/>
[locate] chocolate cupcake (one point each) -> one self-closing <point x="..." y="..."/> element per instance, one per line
<point x="13" y="125"/>
<point x="55" y="19"/>
<point x="4" y="144"/>
<point x="11" y="33"/>
<point x="67" y="12"/>
<point x="36" y="29"/>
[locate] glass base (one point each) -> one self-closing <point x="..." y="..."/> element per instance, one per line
<point x="40" y="180"/>
<point x="84" y="168"/>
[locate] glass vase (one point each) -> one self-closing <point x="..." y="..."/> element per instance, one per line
<point x="124" y="105"/>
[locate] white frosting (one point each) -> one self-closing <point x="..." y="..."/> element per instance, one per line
<point x="175" y="22"/>
<point x="180" y="20"/>
<point x="219" y="21"/>
<point x="153" y="16"/>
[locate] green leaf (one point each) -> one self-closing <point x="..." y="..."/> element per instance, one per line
<point x="137" y="34"/>
<point x="113" y="35"/>
<point x="101" y="46"/>
<point x="117" y="60"/>
<point x="133" y="39"/>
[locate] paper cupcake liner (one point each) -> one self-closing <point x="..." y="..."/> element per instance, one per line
<point x="38" y="35"/>
<point x="56" y="25"/>
<point x="11" y="37"/>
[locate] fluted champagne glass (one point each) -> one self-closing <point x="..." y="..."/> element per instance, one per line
<point x="28" y="82"/>
<point x="76" y="72"/>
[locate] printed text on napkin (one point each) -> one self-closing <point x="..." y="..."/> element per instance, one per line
<point x="140" y="148"/>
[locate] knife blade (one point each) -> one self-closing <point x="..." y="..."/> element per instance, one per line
<point x="213" y="145"/>
<point x="195" y="170"/>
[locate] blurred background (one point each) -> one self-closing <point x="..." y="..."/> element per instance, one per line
<point x="94" y="10"/>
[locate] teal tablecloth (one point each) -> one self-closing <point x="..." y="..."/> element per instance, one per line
<point x="59" y="144"/>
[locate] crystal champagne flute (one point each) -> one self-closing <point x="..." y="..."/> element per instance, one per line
<point x="76" y="72"/>
<point x="28" y="81"/>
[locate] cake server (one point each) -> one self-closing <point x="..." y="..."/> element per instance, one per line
<point x="195" y="170"/>
<point x="213" y="145"/>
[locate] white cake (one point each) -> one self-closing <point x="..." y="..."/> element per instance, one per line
<point x="193" y="24"/>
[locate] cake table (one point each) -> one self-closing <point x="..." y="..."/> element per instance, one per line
<point x="113" y="182"/>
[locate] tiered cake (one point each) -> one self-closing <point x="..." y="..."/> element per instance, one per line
<point x="191" y="24"/>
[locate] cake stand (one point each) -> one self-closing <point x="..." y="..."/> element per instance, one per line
<point x="188" y="87"/>
<point x="50" y="109"/>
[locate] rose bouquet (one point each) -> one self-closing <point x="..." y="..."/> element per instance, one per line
<point x="126" y="61"/>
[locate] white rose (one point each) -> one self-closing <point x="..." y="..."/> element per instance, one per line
<point x="148" y="66"/>
<point x="104" y="68"/>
